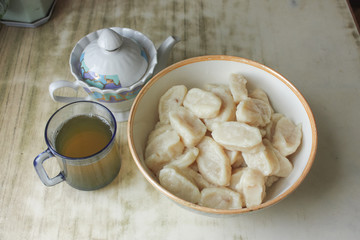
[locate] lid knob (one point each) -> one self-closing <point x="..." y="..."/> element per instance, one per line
<point x="109" y="40"/>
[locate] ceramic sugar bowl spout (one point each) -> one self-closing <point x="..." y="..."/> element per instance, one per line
<point x="112" y="65"/>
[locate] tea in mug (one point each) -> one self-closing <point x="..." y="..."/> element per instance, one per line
<point x="84" y="136"/>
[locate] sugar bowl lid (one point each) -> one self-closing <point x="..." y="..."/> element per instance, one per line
<point x="113" y="61"/>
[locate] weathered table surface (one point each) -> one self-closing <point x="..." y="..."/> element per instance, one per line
<point x="312" y="43"/>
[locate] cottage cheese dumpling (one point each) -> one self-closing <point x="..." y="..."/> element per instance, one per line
<point x="213" y="162"/>
<point x="167" y="143"/>
<point x="251" y="184"/>
<point x="253" y="187"/>
<point x="162" y="149"/>
<point x="270" y="127"/>
<point x="287" y="136"/>
<point x="227" y="110"/>
<point x="189" y="127"/>
<point x="159" y="129"/>
<point x="177" y="183"/>
<point x="197" y="178"/>
<point x="270" y="180"/>
<point x="172" y="99"/>
<point x="237" y="136"/>
<point x="221" y="198"/>
<point x="254" y="112"/>
<point x="285" y="166"/>
<point x="237" y="85"/>
<point x="235" y="180"/>
<point x="202" y="103"/>
<point x="185" y="159"/>
<point x="265" y="160"/>
<point x="260" y="94"/>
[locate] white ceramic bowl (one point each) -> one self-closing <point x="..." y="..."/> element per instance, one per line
<point x="198" y="71"/>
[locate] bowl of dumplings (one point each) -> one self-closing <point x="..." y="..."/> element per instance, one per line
<point x="222" y="135"/>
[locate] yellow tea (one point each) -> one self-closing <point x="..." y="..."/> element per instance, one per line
<point x="82" y="136"/>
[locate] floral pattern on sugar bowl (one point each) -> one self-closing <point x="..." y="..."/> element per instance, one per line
<point x="98" y="80"/>
<point x="113" y="97"/>
<point x="109" y="81"/>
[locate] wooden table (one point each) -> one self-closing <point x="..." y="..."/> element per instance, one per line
<point x="314" y="44"/>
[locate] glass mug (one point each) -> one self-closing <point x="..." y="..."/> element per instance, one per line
<point x="82" y="172"/>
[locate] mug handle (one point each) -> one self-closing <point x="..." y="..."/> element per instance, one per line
<point x="38" y="165"/>
<point x="65" y="84"/>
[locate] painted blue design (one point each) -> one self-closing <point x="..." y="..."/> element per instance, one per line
<point x="143" y="54"/>
<point x="114" y="97"/>
<point x="98" y="80"/>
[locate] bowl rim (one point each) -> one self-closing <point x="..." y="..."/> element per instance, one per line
<point x="233" y="59"/>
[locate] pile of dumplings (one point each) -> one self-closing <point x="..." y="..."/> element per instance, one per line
<point x="220" y="146"/>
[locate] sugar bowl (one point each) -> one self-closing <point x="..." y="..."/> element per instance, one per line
<point x="112" y="65"/>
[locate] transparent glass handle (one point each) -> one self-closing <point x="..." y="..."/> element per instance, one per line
<point x="38" y="165"/>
